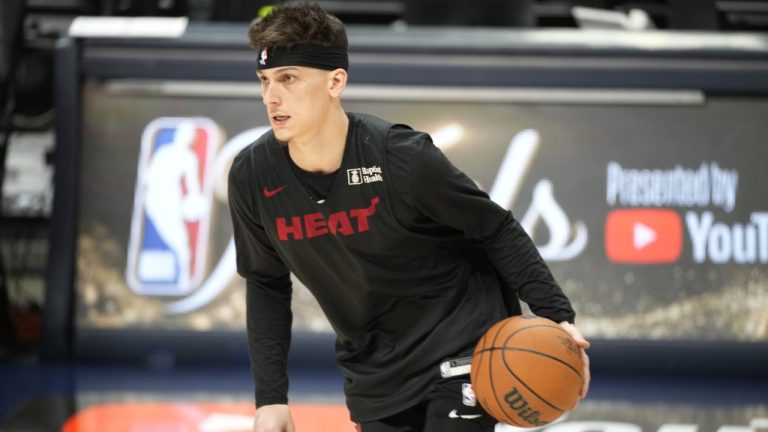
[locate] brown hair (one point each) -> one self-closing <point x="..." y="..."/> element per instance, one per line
<point x="294" y="24"/>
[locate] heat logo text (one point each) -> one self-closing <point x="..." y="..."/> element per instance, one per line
<point x="316" y="224"/>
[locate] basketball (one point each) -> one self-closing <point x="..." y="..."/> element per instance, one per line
<point x="526" y="371"/>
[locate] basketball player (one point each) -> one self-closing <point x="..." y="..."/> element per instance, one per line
<point x="409" y="260"/>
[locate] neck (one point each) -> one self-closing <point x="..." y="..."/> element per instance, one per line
<point x="321" y="151"/>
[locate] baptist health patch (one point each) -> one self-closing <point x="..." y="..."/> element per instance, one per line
<point x="468" y="395"/>
<point x="358" y="176"/>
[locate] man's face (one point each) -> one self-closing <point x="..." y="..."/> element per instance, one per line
<point x="297" y="100"/>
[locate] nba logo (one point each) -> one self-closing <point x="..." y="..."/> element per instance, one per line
<point x="168" y="247"/>
<point x="468" y="397"/>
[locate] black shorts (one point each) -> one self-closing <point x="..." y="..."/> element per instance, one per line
<point x="449" y="407"/>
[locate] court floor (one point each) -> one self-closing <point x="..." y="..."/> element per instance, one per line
<point x="111" y="397"/>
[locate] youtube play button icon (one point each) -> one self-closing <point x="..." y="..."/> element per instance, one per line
<point x="643" y="236"/>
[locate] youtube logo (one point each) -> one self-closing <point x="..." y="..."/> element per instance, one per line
<point x="643" y="236"/>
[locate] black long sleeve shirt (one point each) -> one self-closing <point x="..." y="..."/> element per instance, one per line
<point x="408" y="259"/>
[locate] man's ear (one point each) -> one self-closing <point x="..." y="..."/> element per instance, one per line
<point x="337" y="82"/>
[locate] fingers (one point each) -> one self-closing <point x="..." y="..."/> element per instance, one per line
<point x="582" y="343"/>
<point x="586" y="378"/>
<point x="586" y="375"/>
<point x="273" y="418"/>
<point x="575" y="334"/>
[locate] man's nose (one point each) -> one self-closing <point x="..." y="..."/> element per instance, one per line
<point x="270" y="94"/>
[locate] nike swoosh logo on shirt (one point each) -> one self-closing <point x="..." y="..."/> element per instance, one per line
<point x="455" y="414"/>
<point x="270" y="193"/>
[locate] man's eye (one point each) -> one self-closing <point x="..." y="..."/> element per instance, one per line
<point x="289" y="78"/>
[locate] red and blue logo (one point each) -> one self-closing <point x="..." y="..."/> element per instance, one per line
<point x="170" y="227"/>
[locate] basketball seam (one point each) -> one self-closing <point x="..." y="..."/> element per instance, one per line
<point x="505" y="348"/>
<point x="493" y="387"/>
<point x="509" y="369"/>
<point x="555" y="326"/>
<point x="528" y="387"/>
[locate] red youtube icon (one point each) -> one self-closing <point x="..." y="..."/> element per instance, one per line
<point x="643" y="236"/>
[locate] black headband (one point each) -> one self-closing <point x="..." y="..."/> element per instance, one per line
<point x="316" y="56"/>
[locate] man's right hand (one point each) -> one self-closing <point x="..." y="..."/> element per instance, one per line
<point x="273" y="418"/>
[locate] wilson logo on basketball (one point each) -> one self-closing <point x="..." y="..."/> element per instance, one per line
<point x="517" y="403"/>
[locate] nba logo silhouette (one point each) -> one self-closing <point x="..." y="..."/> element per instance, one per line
<point x="168" y="247"/>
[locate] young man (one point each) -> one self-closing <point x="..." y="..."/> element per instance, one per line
<point x="408" y="259"/>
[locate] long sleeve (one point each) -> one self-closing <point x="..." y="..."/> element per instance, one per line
<point x="268" y="290"/>
<point x="445" y="194"/>
<point x="269" y="337"/>
<point x="516" y="258"/>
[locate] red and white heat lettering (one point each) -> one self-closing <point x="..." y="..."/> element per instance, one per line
<point x="315" y="224"/>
